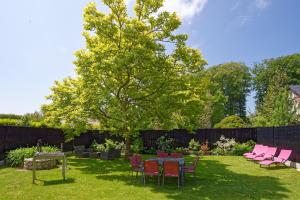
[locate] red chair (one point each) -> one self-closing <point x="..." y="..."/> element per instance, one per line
<point x="161" y="154"/>
<point x="176" y="155"/>
<point x="151" y="168"/>
<point x="136" y="164"/>
<point x="193" y="167"/>
<point x="171" y="169"/>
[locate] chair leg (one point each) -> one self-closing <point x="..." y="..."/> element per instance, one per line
<point x="158" y="180"/>
<point x="163" y="181"/>
<point x="178" y="182"/>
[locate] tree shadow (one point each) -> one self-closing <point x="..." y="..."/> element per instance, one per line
<point x="97" y="166"/>
<point x="212" y="181"/>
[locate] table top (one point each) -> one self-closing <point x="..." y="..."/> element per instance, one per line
<point x="161" y="160"/>
<point x="49" y="155"/>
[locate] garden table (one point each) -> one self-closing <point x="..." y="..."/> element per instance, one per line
<point x="180" y="161"/>
<point x="51" y="155"/>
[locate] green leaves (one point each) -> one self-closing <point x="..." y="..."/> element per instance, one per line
<point x="126" y="80"/>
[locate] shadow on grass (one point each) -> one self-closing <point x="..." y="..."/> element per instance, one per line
<point x="97" y="166"/>
<point x="275" y="167"/>
<point x="213" y="181"/>
<point x="57" y="182"/>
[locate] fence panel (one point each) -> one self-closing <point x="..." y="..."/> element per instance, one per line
<point x="265" y="136"/>
<point x="288" y="138"/>
<point x="282" y="137"/>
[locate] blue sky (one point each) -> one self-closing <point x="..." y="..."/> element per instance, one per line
<point x="38" y="39"/>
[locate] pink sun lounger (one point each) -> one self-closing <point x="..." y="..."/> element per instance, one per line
<point x="268" y="155"/>
<point x="260" y="152"/>
<point x="254" y="151"/>
<point x="280" y="159"/>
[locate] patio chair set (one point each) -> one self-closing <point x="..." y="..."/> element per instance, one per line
<point x="164" y="165"/>
<point x="265" y="155"/>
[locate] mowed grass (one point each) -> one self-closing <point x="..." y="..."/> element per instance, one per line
<point x="223" y="177"/>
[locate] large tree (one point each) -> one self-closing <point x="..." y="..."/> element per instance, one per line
<point x="272" y="79"/>
<point x="275" y="73"/>
<point x="127" y="80"/>
<point x="234" y="80"/>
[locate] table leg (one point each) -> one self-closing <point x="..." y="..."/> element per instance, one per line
<point x="33" y="169"/>
<point x="64" y="168"/>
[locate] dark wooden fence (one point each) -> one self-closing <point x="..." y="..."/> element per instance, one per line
<point x="282" y="137"/>
<point x="15" y="137"/>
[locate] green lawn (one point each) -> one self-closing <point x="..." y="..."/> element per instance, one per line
<point x="217" y="178"/>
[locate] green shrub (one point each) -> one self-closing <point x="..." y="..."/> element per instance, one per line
<point x="194" y="145"/>
<point x="10" y="116"/>
<point x="165" y="144"/>
<point x="40" y="124"/>
<point x="181" y="150"/>
<point x="137" y="145"/>
<point x="233" y="121"/>
<point x="15" y="158"/>
<point x="94" y="145"/>
<point x="240" y="149"/>
<point x="9" y="122"/>
<point x="109" y="145"/>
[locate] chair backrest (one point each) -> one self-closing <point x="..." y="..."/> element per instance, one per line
<point x="271" y="151"/>
<point x="262" y="150"/>
<point x="162" y="154"/>
<point x="151" y="167"/>
<point x="256" y="148"/>
<point x="284" y="154"/>
<point x="176" y="155"/>
<point x="171" y="168"/>
<point x="135" y="160"/>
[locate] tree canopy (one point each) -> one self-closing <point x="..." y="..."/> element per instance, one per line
<point x="128" y="80"/>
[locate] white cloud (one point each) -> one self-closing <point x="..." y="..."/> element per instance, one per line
<point x="244" y="19"/>
<point x="186" y="9"/>
<point x="262" y="4"/>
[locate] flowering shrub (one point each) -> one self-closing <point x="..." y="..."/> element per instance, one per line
<point x="224" y="146"/>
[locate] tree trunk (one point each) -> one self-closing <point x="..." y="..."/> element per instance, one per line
<point x="127" y="148"/>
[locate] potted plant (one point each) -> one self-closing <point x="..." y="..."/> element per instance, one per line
<point x="110" y="150"/>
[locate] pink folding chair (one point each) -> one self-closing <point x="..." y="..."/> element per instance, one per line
<point x="280" y="159"/>
<point x="176" y="155"/>
<point x="254" y="151"/>
<point x="151" y="168"/>
<point x="193" y="167"/>
<point x="268" y="155"/>
<point x="136" y="164"/>
<point x="161" y="154"/>
<point x="171" y="169"/>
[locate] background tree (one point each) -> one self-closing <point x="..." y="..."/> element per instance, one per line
<point x="126" y="80"/>
<point x="272" y="79"/>
<point x="234" y="80"/>
<point x="264" y="73"/>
